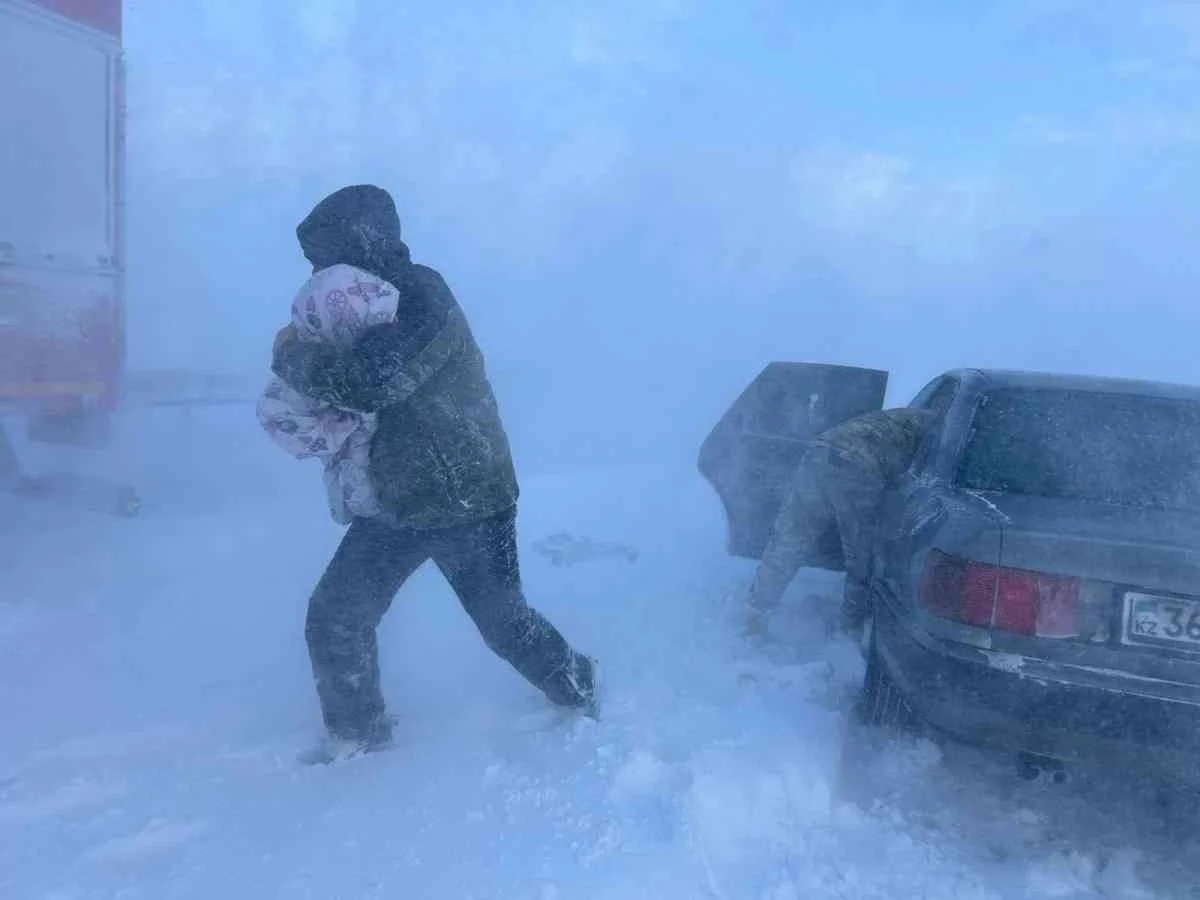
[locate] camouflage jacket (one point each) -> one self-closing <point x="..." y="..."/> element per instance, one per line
<point x="881" y="444"/>
<point x="440" y="456"/>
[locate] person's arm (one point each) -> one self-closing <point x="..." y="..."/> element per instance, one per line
<point x="387" y="365"/>
<point x="285" y="334"/>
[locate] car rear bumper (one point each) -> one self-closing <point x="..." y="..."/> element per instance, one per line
<point x="993" y="701"/>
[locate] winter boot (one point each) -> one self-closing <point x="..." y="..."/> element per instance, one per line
<point x="575" y="685"/>
<point x="340" y="747"/>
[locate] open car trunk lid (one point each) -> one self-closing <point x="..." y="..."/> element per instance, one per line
<point x="751" y="454"/>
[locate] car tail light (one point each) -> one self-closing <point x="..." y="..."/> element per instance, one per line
<point x="1014" y="600"/>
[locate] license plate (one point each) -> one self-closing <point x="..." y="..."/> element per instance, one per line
<point x="1162" y="621"/>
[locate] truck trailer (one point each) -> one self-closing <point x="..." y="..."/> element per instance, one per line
<point x="62" y="254"/>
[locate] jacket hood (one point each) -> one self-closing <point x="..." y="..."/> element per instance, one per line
<point x="355" y="226"/>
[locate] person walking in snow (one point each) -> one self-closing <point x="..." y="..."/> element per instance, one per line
<point x="839" y="483"/>
<point x="439" y="465"/>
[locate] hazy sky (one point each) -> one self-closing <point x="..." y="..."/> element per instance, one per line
<point x="640" y="203"/>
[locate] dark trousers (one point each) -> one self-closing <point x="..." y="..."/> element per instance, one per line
<point x="371" y="564"/>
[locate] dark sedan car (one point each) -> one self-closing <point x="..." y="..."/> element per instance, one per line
<point x="1036" y="574"/>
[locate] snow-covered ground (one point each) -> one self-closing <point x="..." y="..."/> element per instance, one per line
<point x="154" y="692"/>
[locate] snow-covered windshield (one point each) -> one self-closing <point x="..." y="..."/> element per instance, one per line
<point x="1124" y="449"/>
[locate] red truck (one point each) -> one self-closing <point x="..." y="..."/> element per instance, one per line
<point x="61" y="220"/>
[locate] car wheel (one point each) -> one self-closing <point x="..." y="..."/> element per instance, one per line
<point x="882" y="704"/>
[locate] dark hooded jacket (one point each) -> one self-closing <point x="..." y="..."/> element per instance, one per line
<point x="440" y="456"/>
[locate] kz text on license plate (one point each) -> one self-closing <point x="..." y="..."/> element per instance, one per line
<point x="1165" y="621"/>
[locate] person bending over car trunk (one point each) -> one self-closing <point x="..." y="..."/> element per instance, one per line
<point x="839" y="483"/>
<point x="440" y="464"/>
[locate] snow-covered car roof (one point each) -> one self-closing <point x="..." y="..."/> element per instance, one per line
<point x="1003" y="378"/>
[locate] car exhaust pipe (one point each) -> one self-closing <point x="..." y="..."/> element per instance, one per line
<point x="1031" y="767"/>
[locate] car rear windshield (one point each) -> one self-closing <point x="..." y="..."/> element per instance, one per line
<point x="1079" y="445"/>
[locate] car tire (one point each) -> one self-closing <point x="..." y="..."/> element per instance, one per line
<point x="882" y="704"/>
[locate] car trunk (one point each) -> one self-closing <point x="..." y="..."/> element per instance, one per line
<point x="1150" y="549"/>
<point x="1135" y="577"/>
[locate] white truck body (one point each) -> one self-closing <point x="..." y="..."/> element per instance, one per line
<point x="61" y="207"/>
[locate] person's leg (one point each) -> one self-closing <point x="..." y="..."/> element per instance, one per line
<point x="855" y="497"/>
<point x="480" y="562"/>
<point x="371" y="563"/>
